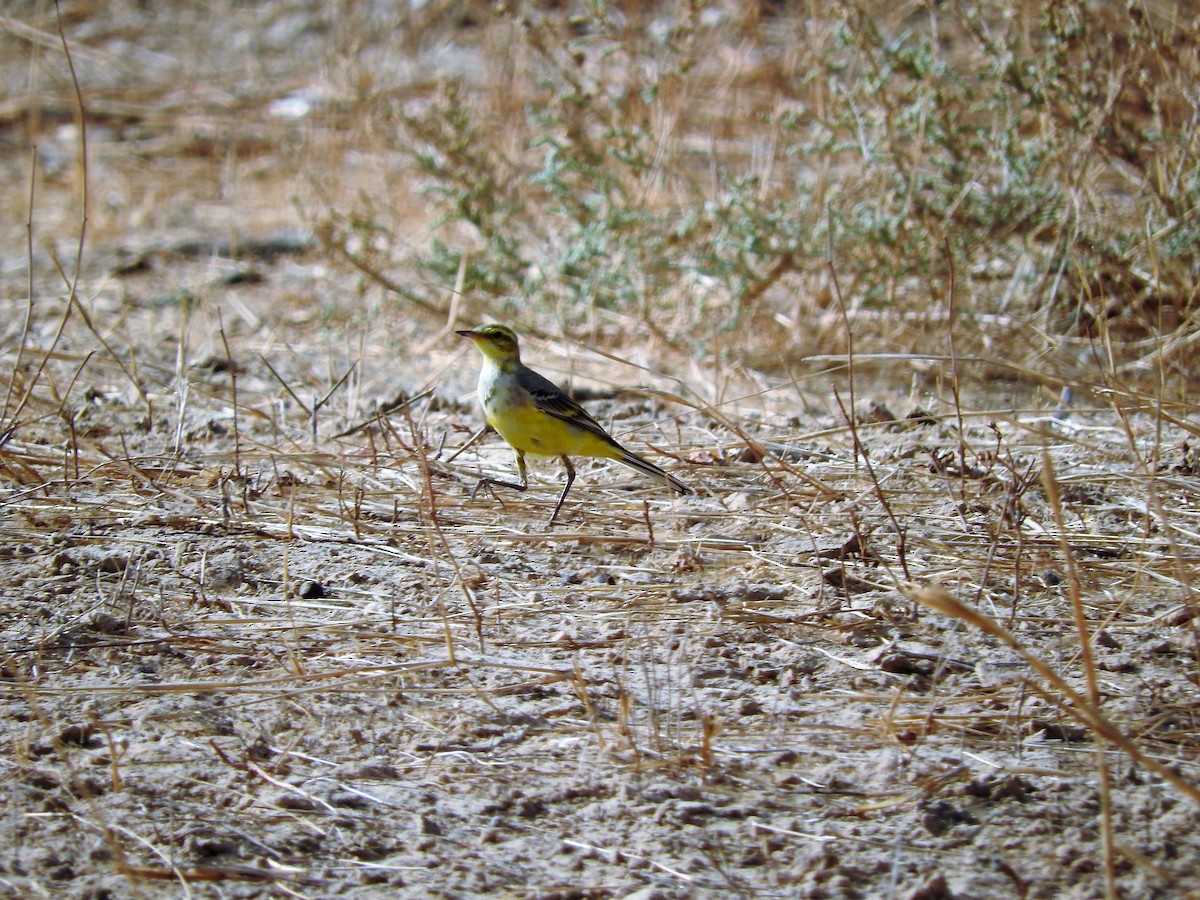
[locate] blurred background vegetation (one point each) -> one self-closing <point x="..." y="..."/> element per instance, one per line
<point x="1005" y="192"/>
<point x="746" y="178"/>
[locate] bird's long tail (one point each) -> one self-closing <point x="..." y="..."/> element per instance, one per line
<point x="636" y="462"/>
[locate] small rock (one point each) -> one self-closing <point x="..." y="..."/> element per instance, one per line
<point x="313" y="590"/>
<point x="429" y="826"/>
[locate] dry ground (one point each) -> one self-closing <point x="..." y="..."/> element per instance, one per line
<point x="246" y="654"/>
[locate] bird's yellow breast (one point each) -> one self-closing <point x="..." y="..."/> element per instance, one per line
<point x="516" y="417"/>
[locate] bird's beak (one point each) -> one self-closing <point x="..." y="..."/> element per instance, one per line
<point x="467" y="333"/>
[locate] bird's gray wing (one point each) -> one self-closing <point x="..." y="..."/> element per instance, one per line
<point x="553" y="400"/>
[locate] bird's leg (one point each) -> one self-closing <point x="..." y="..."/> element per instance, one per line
<point x="566" y="488"/>
<point x="496" y="482"/>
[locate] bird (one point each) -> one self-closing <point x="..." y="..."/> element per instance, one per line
<point x="534" y="415"/>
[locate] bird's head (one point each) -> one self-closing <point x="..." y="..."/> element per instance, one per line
<point x="495" y="342"/>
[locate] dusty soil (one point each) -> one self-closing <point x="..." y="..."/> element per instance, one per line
<point x="246" y="657"/>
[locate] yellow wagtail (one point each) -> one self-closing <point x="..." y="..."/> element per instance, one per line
<point x="536" y="416"/>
